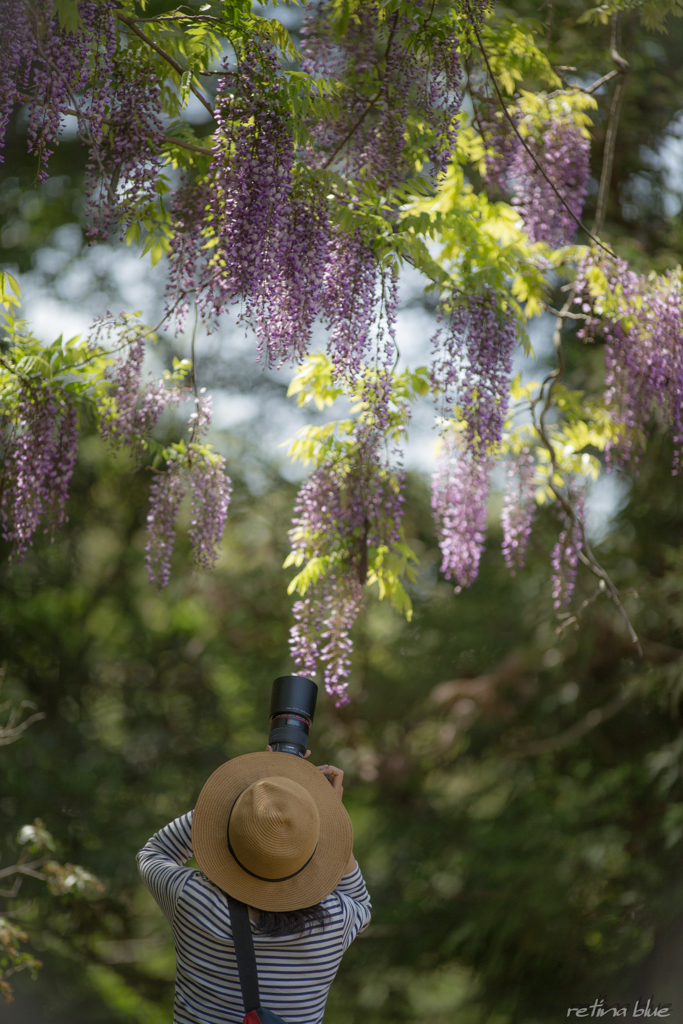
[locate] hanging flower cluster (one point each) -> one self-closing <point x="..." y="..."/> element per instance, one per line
<point x="500" y="140"/>
<point x="561" y="149"/>
<point x="547" y="176"/>
<point x="518" y="508"/>
<point x="16" y="33"/>
<point x="124" y="161"/>
<point x="40" y="447"/>
<point x="566" y="553"/>
<point x="472" y="363"/>
<point x="471" y="366"/>
<point x="396" y="77"/>
<point x="129" y="411"/>
<point x="460" y="490"/>
<point x="351" y="505"/>
<point x="51" y="69"/>
<point x="641" y="322"/>
<point x="346" y="530"/>
<point x="114" y="94"/>
<point x="194" y="467"/>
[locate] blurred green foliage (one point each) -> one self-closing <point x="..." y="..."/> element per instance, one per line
<point x="515" y="793"/>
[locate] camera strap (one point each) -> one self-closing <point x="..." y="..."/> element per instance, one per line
<point x="246" y="966"/>
<point x="244" y="953"/>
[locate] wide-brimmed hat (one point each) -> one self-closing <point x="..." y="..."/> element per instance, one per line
<point x="270" y="830"/>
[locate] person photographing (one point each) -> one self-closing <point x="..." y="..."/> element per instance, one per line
<point x="274" y="845"/>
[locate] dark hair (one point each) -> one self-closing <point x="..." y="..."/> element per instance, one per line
<point x="291" y="922"/>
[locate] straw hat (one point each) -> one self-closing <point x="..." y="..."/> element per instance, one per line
<point x="269" y="830"/>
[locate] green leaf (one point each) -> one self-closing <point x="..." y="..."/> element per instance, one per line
<point x="67" y="12"/>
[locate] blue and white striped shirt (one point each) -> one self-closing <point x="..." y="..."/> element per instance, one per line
<point x="295" y="971"/>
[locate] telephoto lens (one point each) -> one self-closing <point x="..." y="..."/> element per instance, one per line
<point x="292" y="706"/>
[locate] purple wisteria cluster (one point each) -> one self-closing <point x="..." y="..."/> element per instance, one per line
<point x="394" y="76"/>
<point x="52" y="70"/>
<point x="460" y="490"/>
<point x="113" y="93"/>
<point x="472" y="363"/>
<point x="124" y="159"/>
<point x="129" y="411"/>
<point x="16" y="36"/>
<point x="201" y="471"/>
<point x="252" y="233"/>
<point x="559" y="149"/>
<point x="501" y="141"/>
<point x="39" y="459"/>
<point x="566" y="553"/>
<point x="352" y="503"/>
<point x="471" y="366"/>
<point x="518" y="508"/>
<point x="246" y="233"/>
<point x="351" y="298"/>
<point x="641" y="322"/>
<point x="562" y="151"/>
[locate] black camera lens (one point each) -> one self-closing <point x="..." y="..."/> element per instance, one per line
<point x="292" y="706"/>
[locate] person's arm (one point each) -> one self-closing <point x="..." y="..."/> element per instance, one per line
<point x="336" y="777"/>
<point x="355" y="900"/>
<point x="351" y="890"/>
<point x="161" y="861"/>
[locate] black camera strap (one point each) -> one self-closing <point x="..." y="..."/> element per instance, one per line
<point x="244" y="952"/>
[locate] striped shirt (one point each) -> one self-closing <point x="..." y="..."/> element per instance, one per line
<point x="295" y="971"/>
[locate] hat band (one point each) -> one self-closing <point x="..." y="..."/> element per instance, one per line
<point x="285" y="878"/>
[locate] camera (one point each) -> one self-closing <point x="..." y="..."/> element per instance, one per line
<point x="292" y="706"/>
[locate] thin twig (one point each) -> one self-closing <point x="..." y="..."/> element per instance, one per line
<point x="172" y="140"/>
<point x="24" y="869"/>
<point x="190" y="16"/>
<point x="586" y="554"/>
<point x="589" y="90"/>
<point x="573" y="620"/>
<point x="567" y="314"/>
<point x="623" y="70"/>
<point x="83" y="115"/>
<point x="178" y="68"/>
<point x="10" y="734"/>
<point x="194" y="371"/>
<point x="507" y="113"/>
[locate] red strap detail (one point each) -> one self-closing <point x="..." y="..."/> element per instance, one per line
<point x="252" y="1018"/>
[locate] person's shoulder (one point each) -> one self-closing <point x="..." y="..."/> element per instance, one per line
<point x="337" y="902"/>
<point x="199" y="888"/>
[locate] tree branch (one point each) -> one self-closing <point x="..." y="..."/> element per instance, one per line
<point x="549" y="25"/>
<point x="178" y="68"/>
<point x="9" y="734"/>
<point x="171" y="139"/>
<point x="369" y="107"/>
<point x="623" y="70"/>
<point x="580" y="729"/>
<point x="580" y="88"/>
<point x="24" y="869"/>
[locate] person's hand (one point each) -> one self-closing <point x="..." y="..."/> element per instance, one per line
<point x="269" y="750"/>
<point x="335" y="776"/>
